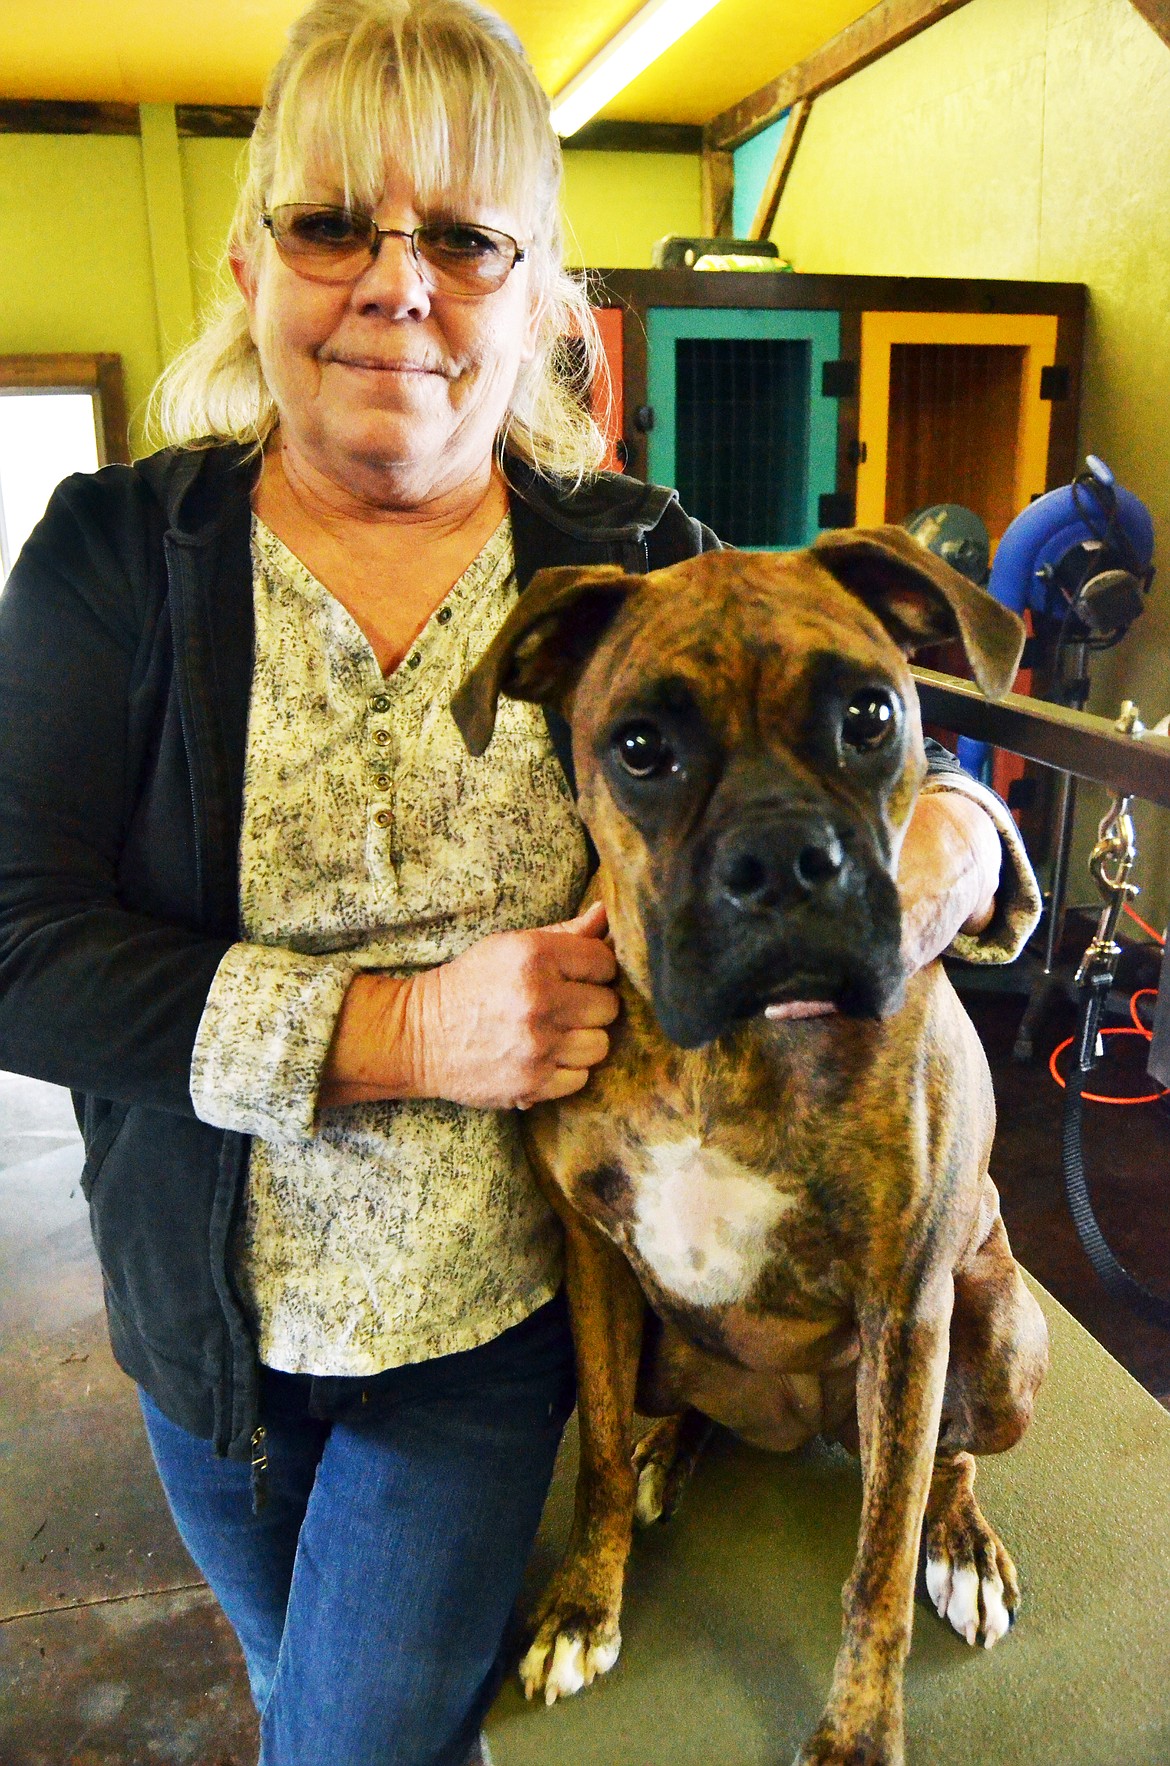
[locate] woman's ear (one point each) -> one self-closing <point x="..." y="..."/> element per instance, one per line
<point x="537" y="305"/>
<point x="244" y="279"/>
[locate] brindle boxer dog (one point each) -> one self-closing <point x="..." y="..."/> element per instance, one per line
<point x="787" y="1227"/>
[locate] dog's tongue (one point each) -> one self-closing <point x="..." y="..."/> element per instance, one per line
<point x="789" y="1009"/>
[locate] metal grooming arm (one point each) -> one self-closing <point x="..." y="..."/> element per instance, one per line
<point x="1120" y="756"/>
<point x="1131" y="764"/>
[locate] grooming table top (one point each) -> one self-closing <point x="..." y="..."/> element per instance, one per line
<point x="733" y="1613"/>
<point x="113" y="1654"/>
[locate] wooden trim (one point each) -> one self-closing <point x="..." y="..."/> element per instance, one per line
<point x="873" y="35"/>
<point x="166" y="217"/>
<point x="233" y="121"/>
<point x="717" y="193"/>
<point x="99" y="374"/>
<point x="612" y="135"/>
<point x="769" y="203"/>
<point x="1157" y="15"/>
<point x="52" y="116"/>
<point x="837" y="293"/>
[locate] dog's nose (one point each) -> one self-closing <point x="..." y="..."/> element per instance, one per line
<point x="778" y="864"/>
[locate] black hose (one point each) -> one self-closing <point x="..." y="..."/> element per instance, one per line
<point x="1117" y="1280"/>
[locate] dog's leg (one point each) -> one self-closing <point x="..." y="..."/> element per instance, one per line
<point x="576" y="1623"/>
<point x="998" y="1357"/>
<point x="664" y="1459"/>
<point x="904" y="1340"/>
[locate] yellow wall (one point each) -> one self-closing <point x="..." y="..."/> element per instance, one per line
<point x="1027" y="138"/>
<point x="75" y="244"/>
<point x="618" y="204"/>
<point x="75" y="269"/>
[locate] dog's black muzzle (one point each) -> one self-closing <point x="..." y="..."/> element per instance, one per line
<point x="780" y="902"/>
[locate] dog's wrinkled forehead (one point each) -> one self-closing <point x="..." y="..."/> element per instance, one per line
<point x="745" y="635"/>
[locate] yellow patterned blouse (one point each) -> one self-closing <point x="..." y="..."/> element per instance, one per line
<point x="385" y="1233"/>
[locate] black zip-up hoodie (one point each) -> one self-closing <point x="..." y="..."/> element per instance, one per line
<point x="125" y="673"/>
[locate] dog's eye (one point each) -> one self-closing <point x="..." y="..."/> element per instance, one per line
<point x="642" y="752"/>
<point x="870" y="717"/>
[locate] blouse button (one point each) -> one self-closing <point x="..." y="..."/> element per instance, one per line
<point x="413" y="661"/>
<point x="444" y="615"/>
<point x="382" y="817"/>
<point x="383" y="781"/>
<point x="381" y="737"/>
<point x="379" y="702"/>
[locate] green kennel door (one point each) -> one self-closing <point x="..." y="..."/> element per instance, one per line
<point x="741" y="422"/>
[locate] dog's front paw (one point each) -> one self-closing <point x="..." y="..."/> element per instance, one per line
<point x="969" y="1575"/>
<point x="571" y="1647"/>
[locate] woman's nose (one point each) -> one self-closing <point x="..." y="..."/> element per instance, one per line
<point x="394" y="277"/>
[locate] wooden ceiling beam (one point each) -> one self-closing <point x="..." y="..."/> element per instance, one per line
<point x="873" y="35"/>
<point x="1157" y="14"/>
<point x="765" y="216"/>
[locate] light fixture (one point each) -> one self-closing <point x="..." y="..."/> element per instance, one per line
<point x="647" y="36"/>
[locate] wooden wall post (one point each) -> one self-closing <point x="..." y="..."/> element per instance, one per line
<point x="717" y="186"/>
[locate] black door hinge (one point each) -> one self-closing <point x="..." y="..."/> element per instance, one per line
<point x="1055" y="382"/>
<point x="838" y="380"/>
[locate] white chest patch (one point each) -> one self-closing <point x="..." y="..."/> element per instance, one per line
<point x="702" y="1222"/>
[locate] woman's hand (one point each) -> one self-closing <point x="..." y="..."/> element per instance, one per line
<point x="519" y="1017"/>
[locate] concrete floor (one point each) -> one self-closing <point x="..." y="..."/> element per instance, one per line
<point x="112" y="1653"/>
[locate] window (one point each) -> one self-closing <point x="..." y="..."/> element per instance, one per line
<point x="58" y="414"/>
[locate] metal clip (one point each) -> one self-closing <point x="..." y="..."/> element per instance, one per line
<point x="1110" y="863"/>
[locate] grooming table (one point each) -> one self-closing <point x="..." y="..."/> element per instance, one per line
<point x="733" y="1614"/>
<point x="113" y="1654"/>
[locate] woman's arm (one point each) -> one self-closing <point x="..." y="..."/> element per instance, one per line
<point x="99" y="989"/>
<point x="948" y="874"/>
<point x="519" y="1017"/>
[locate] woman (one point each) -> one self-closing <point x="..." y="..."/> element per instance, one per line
<point x="300" y="954"/>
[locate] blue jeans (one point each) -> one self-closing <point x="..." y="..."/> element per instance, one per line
<point x="371" y="1594"/>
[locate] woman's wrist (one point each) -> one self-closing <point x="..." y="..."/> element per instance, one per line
<point x="378" y="1045"/>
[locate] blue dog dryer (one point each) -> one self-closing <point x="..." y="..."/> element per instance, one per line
<point x="1080" y="560"/>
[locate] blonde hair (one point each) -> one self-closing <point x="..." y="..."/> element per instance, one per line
<point x="441" y="89"/>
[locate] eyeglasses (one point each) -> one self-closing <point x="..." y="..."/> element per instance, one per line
<point x="327" y="244"/>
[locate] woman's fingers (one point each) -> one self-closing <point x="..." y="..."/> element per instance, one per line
<point x="578" y="956"/>
<point x="581" y="1048"/>
<point x="589" y="923"/>
<point x="562" y="1082"/>
<point x="578" y="1006"/>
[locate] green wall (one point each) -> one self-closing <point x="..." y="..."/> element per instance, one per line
<point x="79" y="214"/>
<point x="1027" y="138"/>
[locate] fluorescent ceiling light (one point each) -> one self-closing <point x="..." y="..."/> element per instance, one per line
<point x="647" y="36"/>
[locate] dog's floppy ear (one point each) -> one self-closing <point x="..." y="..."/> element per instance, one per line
<point x="921" y="599"/>
<point x="542" y="646"/>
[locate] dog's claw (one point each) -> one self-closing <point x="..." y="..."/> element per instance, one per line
<point x="532" y="1669"/>
<point x="567" y="1673"/>
<point x="651" y="1499"/>
<point x="997" y="1620"/>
